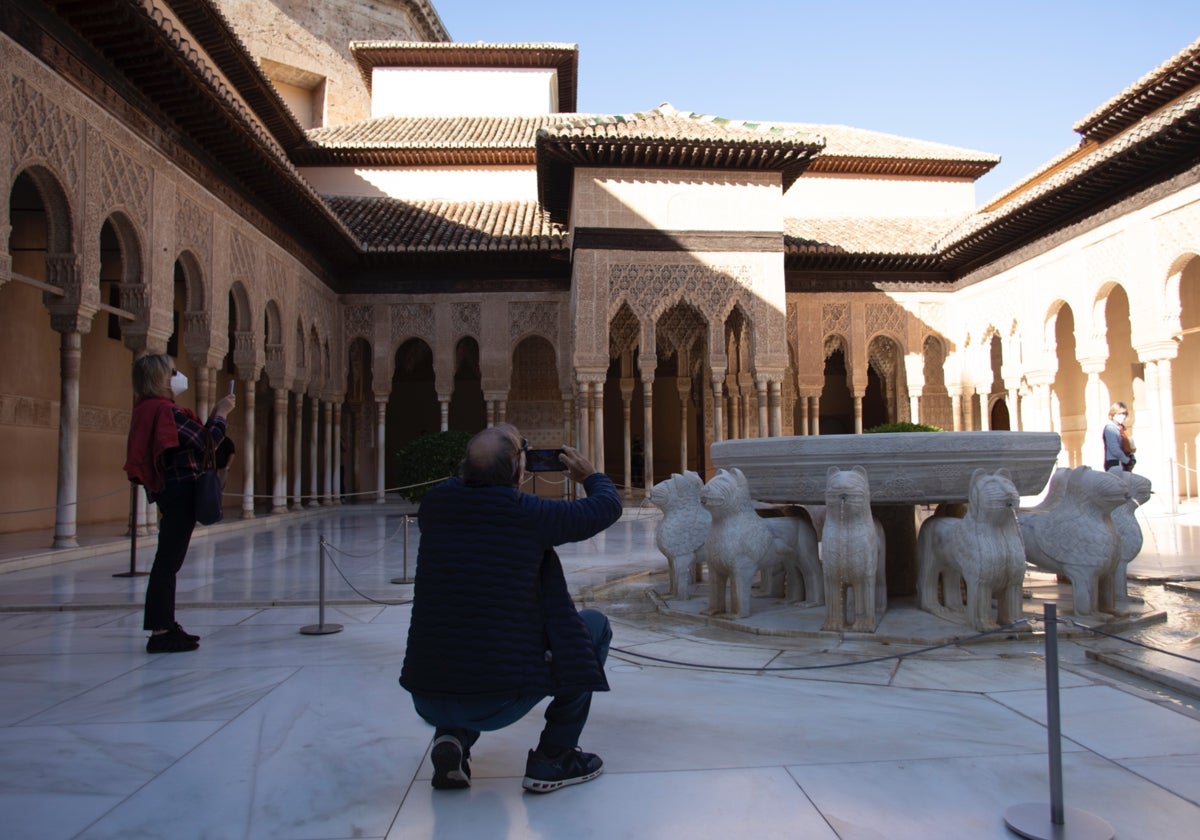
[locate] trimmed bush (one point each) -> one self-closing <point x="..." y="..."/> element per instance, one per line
<point x="902" y="427"/>
<point x="428" y="458"/>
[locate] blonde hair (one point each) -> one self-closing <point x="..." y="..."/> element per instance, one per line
<point x="152" y="376"/>
<point x="1117" y="408"/>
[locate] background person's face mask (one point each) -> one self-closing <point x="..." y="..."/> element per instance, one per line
<point x="179" y="383"/>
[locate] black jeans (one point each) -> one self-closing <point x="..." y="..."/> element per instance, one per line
<point x="565" y="716"/>
<point x="178" y="505"/>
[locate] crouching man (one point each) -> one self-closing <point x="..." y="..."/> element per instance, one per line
<point x="494" y="630"/>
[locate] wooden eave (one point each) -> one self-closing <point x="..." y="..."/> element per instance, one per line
<point x="825" y="164"/>
<point x="185" y="106"/>
<point x="557" y="157"/>
<point x="1163" y="85"/>
<point x="381" y="157"/>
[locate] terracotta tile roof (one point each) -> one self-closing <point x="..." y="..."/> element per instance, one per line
<point x="858" y="150"/>
<point x="388" y="225"/>
<point x="1171" y="79"/>
<point x="860" y="235"/>
<point x="1163" y="143"/>
<point x="563" y="58"/>
<point x="426" y="141"/>
<point x="665" y="137"/>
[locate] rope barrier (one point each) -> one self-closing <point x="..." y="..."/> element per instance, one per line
<point x="68" y="504"/>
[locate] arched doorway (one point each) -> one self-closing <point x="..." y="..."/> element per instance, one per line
<point x="412" y="408"/>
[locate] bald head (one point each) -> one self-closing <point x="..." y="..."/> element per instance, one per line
<point x="493" y="457"/>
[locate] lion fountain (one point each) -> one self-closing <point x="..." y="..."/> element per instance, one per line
<point x="852" y="553"/>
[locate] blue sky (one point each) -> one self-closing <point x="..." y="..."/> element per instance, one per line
<point x="1009" y="78"/>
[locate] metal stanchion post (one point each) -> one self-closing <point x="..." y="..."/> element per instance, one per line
<point x="405" y="577"/>
<point x="321" y="628"/>
<point x="1029" y="818"/>
<point x="133" y="572"/>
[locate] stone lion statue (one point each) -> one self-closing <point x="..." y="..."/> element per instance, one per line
<point x="852" y="554"/>
<point x="1072" y="533"/>
<point x="740" y="544"/>
<point x="1128" y="528"/>
<point x="683" y="529"/>
<point x="982" y="549"/>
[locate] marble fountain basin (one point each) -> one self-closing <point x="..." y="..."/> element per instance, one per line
<point x="903" y="467"/>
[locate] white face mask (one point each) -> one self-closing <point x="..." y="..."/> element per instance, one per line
<point x="179" y="383"/>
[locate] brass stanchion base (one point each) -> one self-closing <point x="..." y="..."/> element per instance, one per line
<point x="321" y="629"/>
<point x="130" y="574"/>
<point x="402" y="580"/>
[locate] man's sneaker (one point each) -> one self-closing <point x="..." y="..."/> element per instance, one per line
<point x="544" y="774"/>
<point x="171" y="642"/>
<point x="450" y="768"/>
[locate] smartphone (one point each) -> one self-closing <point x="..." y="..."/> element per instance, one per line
<point x="543" y="460"/>
<point x="232" y="382"/>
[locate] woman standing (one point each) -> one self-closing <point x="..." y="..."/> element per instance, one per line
<point x="1118" y="447"/>
<point x="165" y="453"/>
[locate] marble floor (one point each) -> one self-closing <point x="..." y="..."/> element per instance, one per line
<point x="708" y="732"/>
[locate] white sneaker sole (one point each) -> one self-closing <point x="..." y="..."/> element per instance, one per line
<point x="542" y="786"/>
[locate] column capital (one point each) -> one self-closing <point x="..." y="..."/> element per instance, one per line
<point x="1157" y="351"/>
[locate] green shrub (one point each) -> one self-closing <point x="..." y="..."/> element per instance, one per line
<point x="902" y="427"/>
<point x="427" y="459"/>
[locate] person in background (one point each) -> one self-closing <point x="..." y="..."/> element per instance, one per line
<point x="1118" y="446"/>
<point x="494" y="630"/>
<point x="164" y="453"/>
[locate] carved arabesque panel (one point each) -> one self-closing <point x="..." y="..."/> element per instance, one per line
<point x="43" y="130"/>
<point x="466" y="319"/>
<point x="358" y="322"/>
<point x="124" y="182"/>
<point x="412" y="320"/>
<point x="532" y="317"/>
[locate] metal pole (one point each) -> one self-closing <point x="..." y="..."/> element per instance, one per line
<point x="321" y="628"/>
<point x="133" y="572"/>
<point x="1029" y="819"/>
<point x="404" y="578"/>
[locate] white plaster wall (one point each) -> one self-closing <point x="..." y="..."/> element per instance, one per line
<point x="451" y="183"/>
<point x="677" y="200"/>
<point x="835" y="196"/>
<point x="453" y="91"/>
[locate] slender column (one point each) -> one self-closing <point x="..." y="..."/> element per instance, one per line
<point x="380" y="441"/>
<point x="314" y="440"/>
<point x="761" y="385"/>
<point x="491" y="413"/>
<point x="583" y="428"/>
<point x="1095" y="409"/>
<point x="337" y="453"/>
<point x="627" y="434"/>
<point x="858" y="426"/>
<point x="914" y="406"/>
<point x="501" y="411"/>
<point x="247" y="452"/>
<point x="444" y="405"/>
<point x="279" y="453"/>
<point x="735" y="415"/>
<point x="598" y="424"/>
<point x="568" y="406"/>
<point x="956" y="409"/>
<point x="1014" y="409"/>
<point x="298" y="451"/>
<point x="685" y="389"/>
<point x="718" y="385"/>
<point x="804" y="414"/>
<point x="815" y="414"/>
<point x="205" y="382"/>
<point x="648" y="430"/>
<point x="327" y="498"/>
<point x="775" y="401"/>
<point x="985" y="419"/>
<point x="65" y="518"/>
<point x="1165" y="403"/>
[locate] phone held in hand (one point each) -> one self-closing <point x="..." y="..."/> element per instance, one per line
<point x="543" y="460"/>
<point x="232" y="382"/>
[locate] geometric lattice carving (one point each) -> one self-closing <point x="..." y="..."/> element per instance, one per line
<point x="885" y="317"/>
<point x="242" y="258"/>
<point x="835" y="318"/>
<point x="125" y="182"/>
<point x="358" y="322"/>
<point x="193" y="226"/>
<point x="533" y="318"/>
<point x="43" y="130"/>
<point x="412" y="320"/>
<point x="623" y="333"/>
<point x="465" y="319"/>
